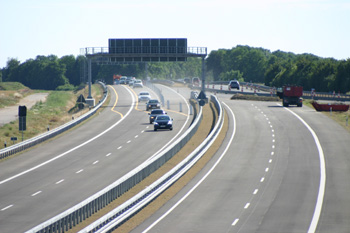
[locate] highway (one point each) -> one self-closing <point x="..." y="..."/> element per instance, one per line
<point x="42" y="182"/>
<point x="278" y="170"/>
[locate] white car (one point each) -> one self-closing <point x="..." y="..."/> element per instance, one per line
<point x="137" y="83"/>
<point x="144" y="96"/>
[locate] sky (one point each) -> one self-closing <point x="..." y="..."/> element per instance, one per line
<point x="63" y="27"/>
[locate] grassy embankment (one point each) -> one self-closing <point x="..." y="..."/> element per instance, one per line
<point x="59" y="108"/>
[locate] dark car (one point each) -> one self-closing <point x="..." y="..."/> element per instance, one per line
<point x="154" y="114"/>
<point x="234" y="84"/>
<point x="152" y="104"/>
<point x="163" y="122"/>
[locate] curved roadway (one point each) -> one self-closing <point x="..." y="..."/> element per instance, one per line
<point x="54" y="176"/>
<point x="267" y="176"/>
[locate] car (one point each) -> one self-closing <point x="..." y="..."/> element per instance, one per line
<point x="137" y="83"/>
<point x="129" y="79"/>
<point x="122" y="80"/>
<point x="163" y="122"/>
<point x="152" y="104"/>
<point x="234" y="84"/>
<point x="154" y="113"/>
<point x="144" y="96"/>
<point x="131" y="82"/>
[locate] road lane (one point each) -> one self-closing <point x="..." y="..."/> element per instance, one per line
<point x="48" y="190"/>
<point x="267" y="183"/>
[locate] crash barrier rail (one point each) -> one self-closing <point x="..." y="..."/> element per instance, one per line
<point x="272" y="91"/>
<point x="156" y="90"/>
<point x="78" y="213"/>
<point x="306" y="94"/>
<point x="52" y="133"/>
<point x="113" y="219"/>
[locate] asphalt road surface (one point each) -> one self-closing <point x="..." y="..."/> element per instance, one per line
<point x="268" y="176"/>
<point x="42" y="182"/>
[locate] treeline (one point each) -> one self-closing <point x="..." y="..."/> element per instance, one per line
<point x="279" y="68"/>
<point x="68" y="72"/>
<point x="242" y="62"/>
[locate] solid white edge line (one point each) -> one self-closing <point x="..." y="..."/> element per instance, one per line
<point x="77" y="147"/>
<point x="322" y="187"/>
<point x="200" y="181"/>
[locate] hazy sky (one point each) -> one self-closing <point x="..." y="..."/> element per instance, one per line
<point x="61" y="27"/>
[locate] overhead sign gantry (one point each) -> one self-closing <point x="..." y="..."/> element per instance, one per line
<point x="144" y="50"/>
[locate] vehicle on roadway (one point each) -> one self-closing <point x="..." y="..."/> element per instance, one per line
<point x="152" y="104"/>
<point x="137" y="83"/>
<point x="234" y="84"/>
<point x="163" y="122"/>
<point x="122" y="80"/>
<point x="144" y="96"/>
<point x="291" y="95"/>
<point x="154" y="113"/>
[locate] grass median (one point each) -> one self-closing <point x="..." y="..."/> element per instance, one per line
<point x="209" y="119"/>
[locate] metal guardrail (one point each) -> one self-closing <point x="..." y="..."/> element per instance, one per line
<point x="117" y="216"/>
<point x="52" y="133"/>
<point x="78" y="213"/>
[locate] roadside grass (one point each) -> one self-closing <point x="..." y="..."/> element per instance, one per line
<point x="43" y="116"/>
<point x="12" y="92"/>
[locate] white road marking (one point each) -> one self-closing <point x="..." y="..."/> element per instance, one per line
<point x="272" y="153"/>
<point x="322" y="185"/>
<point x="201" y="180"/>
<point x="108" y="154"/>
<point x="270" y="161"/>
<point x="142" y="131"/>
<point x="80" y="171"/>
<point x="266" y="169"/>
<point x="255" y="191"/>
<point x="128" y="141"/>
<point x="34" y="194"/>
<point x="7" y="207"/>
<point x="95" y="162"/>
<point x="60" y="181"/>
<point x="262" y="179"/>
<point x="119" y="148"/>
<point x="235" y="222"/>
<point x="273" y="146"/>
<point x="77" y="147"/>
<point x="136" y="136"/>
<point x="246" y="206"/>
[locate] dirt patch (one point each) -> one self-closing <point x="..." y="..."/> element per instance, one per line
<point x="254" y="97"/>
<point x="201" y="134"/>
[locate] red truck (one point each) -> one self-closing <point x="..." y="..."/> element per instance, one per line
<point x="291" y="95"/>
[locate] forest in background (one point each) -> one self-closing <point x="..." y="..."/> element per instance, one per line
<point x="243" y="63"/>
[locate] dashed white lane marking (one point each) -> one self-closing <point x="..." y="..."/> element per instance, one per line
<point x="262" y="179"/>
<point x="119" y="148"/>
<point x="270" y="161"/>
<point x="60" y="181"/>
<point x="256" y="191"/>
<point x="80" y="171"/>
<point x="108" y="154"/>
<point x="272" y="153"/>
<point x="128" y="141"/>
<point x="7" y="207"/>
<point x="266" y="169"/>
<point x="273" y="146"/>
<point x="143" y="131"/>
<point x="136" y="136"/>
<point x="34" y="194"/>
<point x="247" y="205"/>
<point x="235" y="222"/>
<point x="95" y="162"/>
